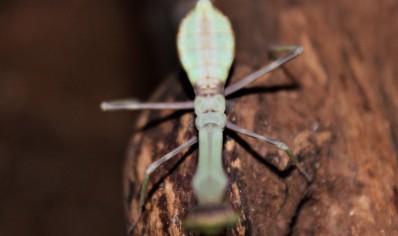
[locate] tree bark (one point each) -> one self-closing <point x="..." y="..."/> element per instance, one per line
<point x="336" y="106"/>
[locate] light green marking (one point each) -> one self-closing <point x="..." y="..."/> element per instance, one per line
<point x="206" y="44"/>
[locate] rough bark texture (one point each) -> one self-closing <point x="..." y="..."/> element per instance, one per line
<point x="336" y="106"/>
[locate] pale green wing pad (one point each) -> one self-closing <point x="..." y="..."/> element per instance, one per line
<point x="206" y="44"/>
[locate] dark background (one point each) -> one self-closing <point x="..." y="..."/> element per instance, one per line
<point x="61" y="158"/>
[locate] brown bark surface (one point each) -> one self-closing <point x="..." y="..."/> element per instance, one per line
<point x="336" y="106"/>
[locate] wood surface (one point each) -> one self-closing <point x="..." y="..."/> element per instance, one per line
<point x="336" y="106"/>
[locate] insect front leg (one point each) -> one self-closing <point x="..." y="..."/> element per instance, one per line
<point x="132" y="104"/>
<point x="274" y="142"/>
<point x="286" y="48"/>
<point x="293" y="52"/>
<point x="152" y="167"/>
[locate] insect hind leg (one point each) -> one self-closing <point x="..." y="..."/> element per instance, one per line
<point x="276" y="143"/>
<point x="152" y="167"/>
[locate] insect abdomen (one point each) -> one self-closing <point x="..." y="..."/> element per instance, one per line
<point x="206" y="45"/>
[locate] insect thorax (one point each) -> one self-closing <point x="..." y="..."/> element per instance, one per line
<point x="206" y="45"/>
<point x="210" y="110"/>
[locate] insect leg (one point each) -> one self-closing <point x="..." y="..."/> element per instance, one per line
<point x="285" y="48"/>
<point x="294" y="51"/>
<point x="132" y="104"/>
<point x="152" y="167"/>
<point x="276" y="143"/>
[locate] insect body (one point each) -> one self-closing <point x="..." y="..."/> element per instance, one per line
<point x="206" y="49"/>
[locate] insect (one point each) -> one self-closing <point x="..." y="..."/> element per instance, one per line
<point x="206" y="46"/>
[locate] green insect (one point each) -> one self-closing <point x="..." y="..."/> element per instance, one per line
<point x="206" y="48"/>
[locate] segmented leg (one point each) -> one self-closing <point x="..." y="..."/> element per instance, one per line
<point x="152" y="167"/>
<point x="135" y="105"/>
<point x="276" y="143"/>
<point x="294" y="51"/>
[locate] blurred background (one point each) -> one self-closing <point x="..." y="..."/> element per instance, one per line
<point x="61" y="158"/>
